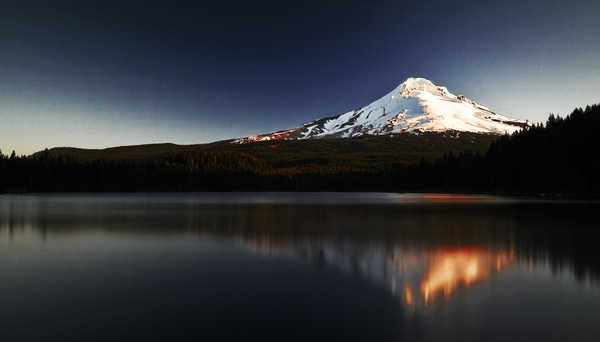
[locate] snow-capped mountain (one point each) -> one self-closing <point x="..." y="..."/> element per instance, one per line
<point x="416" y="105"/>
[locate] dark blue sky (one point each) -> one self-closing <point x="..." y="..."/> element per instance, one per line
<point x="102" y="74"/>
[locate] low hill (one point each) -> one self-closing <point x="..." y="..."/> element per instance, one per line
<point x="360" y="153"/>
<point x="132" y="152"/>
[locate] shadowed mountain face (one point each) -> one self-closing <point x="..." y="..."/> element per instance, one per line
<point x="416" y="105"/>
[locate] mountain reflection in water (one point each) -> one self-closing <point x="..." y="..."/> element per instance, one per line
<point x="434" y="273"/>
<point x="449" y="268"/>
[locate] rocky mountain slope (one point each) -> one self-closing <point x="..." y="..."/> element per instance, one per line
<point x="416" y="105"/>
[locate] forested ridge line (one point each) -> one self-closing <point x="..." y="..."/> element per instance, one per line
<point x="557" y="157"/>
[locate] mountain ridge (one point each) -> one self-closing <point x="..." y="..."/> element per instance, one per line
<point x="416" y="105"/>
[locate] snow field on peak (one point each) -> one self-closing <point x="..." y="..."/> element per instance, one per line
<point x="416" y="105"/>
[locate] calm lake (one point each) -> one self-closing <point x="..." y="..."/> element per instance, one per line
<point x="305" y="266"/>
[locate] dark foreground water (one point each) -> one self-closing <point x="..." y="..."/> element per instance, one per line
<point x="297" y="266"/>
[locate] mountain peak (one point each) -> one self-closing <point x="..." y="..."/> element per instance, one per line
<point x="416" y="105"/>
<point x="417" y="82"/>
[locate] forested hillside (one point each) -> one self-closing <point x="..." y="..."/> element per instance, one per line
<point x="557" y="157"/>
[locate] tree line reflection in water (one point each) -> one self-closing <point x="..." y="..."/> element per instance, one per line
<point x="420" y="253"/>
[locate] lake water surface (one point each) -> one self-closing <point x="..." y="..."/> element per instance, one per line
<point x="298" y="266"/>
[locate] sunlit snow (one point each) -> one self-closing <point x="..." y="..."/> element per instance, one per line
<point x="416" y="105"/>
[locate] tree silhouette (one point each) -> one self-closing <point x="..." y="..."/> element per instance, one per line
<point x="556" y="158"/>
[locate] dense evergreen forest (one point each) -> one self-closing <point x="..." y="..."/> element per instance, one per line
<point x="557" y="158"/>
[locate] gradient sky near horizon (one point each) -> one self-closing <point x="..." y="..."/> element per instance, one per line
<point x="98" y="73"/>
